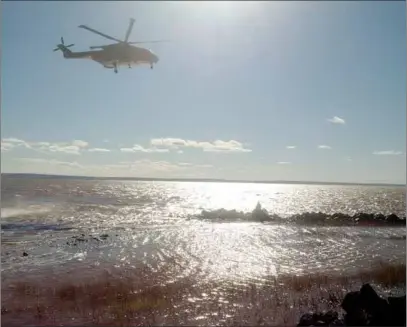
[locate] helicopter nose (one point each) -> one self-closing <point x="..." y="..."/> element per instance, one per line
<point x="156" y="59"/>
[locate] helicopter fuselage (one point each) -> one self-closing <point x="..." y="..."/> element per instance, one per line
<point x="114" y="55"/>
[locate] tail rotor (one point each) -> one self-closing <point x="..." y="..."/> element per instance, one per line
<point x="62" y="46"/>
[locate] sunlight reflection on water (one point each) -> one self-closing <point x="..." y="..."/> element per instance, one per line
<point x="148" y="223"/>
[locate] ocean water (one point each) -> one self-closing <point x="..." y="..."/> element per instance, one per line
<point x="60" y="223"/>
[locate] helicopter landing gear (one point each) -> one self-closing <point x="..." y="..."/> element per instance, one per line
<point x="115" y="67"/>
<point x="129" y="66"/>
<point x="151" y="66"/>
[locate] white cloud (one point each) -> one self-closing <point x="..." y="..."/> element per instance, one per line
<point x="158" y="145"/>
<point x="6" y="146"/>
<point x="388" y="153"/>
<point x="169" y="142"/>
<point x="139" y="148"/>
<point x="284" y="163"/>
<point x="291" y="147"/>
<point x="75" y="147"/>
<point x="225" y="146"/>
<point x="13" y="142"/>
<point x="138" y="168"/>
<point x="337" y="120"/>
<point x="98" y="150"/>
<point x="215" y="146"/>
<point x="324" y="147"/>
<point x="43" y="144"/>
<point x="68" y="149"/>
<point x="80" y="144"/>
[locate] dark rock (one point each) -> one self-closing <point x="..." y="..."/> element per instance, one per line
<point x="380" y="217"/>
<point x="363" y="308"/>
<point x="337" y="322"/>
<point x="392" y="218"/>
<point x="104" y="236"/>
<point x="377" y="309"/>
<point x="25" y="254"/>
<point x="351" y="301"/>
<point x="306" y="320"/>
<point x="398" y="310"/>
<point x="330" y="316"/>
<point x="259" y="214"/>
<point x="363" y="217"/>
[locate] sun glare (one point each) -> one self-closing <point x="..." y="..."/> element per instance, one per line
<point x="222" y="8"/>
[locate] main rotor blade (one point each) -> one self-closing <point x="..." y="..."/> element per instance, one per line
<point x="68" y="46"/>
<point x="129" y="29"/>
<point x="138" y="42"/>
<point x="97" y="47"/>
<point x="99" y="33"/>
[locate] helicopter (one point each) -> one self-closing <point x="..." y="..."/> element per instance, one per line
<point x="111" y="56"/>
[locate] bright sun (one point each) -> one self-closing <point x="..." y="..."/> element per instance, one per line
<point x="223" y="8"/>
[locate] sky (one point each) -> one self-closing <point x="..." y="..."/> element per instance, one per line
<point x="304" y="91"/>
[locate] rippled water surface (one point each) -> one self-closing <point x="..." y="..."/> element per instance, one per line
<point x="154" y="223"/>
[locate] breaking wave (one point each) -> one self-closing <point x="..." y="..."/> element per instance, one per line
<point x="307" y="218"/>
<point x="33" y="227"/>
<point x="25" y="211"/>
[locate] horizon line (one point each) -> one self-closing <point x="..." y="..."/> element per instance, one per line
<point x="219" y="180"/>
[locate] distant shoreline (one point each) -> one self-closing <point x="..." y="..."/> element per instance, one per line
<point x="208" y="180"/>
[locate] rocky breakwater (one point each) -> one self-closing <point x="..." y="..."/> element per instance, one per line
<point x="260" y="214"/>
<point x="76" y="240"/>
<point x="363" y="308"/>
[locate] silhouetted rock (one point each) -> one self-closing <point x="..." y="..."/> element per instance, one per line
<point x="307" y="218"/>
<point x="363" y="217"/>
<point x="398" y="310"/>
<point x="330" y="316"/>
<point x="306" y="320"/>
<point x="380" y="217"/>
<point x="363" y="308"/>
<point x="104" y="236"/>
<point x="393" y="218"/>
<point x="378" y="309"/>
<point x="351" y="301"/>
<point x="25" y="254"/>
<point x="76" y="240"/>
<point x="259" y="214"/>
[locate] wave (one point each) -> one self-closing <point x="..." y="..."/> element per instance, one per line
<point x="28" y="211"/>
<point x="307" y="218"/>
<point x="33" y="227"/>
